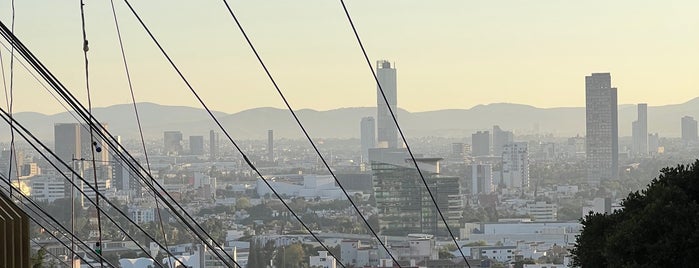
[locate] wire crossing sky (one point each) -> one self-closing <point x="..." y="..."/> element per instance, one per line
<point x="449" y="54"/>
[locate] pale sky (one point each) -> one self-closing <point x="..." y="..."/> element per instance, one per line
<point x="449" y="54"/>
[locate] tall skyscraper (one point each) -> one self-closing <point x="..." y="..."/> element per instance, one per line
<point x="213" y="145"/>
<point x="66" y="137"/>
<point x="689" y="129"/>
<point x="515" y="165"/>
<point x="172" y="143"/>
<point x="480" y="143"/>
<point x="639" y="131"/>
<point x="401" y="197"/>
<point x="270" y="145"/>
<point x="601" y="125"/>
<point x="367" y="136"/>
<point x="386" y="128"/>
<point x="73" y="141"/>
<point x="196" y="145"/>
<point x="500" y="138"/>
<point x="75" y="145"/>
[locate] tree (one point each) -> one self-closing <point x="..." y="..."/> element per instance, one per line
<point x="260" y="255"/>
<point x="242" y="203"/>
<point x="291" y="256"/>
<point x="37" y="260"/>
<point x="656" y="228"/>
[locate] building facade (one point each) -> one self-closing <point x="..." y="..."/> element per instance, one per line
<point x="386" y="128"/>
<point x="601" y="126"/>
<point x="270" y="145"/>
<point x="213" y="145"/>
<point x="500" y="138"/>
<point x="196" y="145"/>
<point x="515" y="165"/>
<point x="367" y="136"/>
<point x="480" y="143"/>
<point x="404" y="203"/>
<point x="481" y="179"/>
<point x="689" y="129"/>
<point x="172" y="143"/>
<point x="639" y="131"/>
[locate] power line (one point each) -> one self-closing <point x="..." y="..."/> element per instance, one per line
<point x="37" y="80"/>
<point x="110" y="140"/>
<point x="94" y="145"/>
<point x="22" y="129"/>
<point x="225" y="132"/>
<point x="131" y="172"/>
<point x="10" y="102"/>
<point x="395" y="120"/>
<point x="48" y="222"/>
<point x="305" y="132"/>
<point x="138" y="119"/>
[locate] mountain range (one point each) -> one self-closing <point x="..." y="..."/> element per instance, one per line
<point x="344" y="122"/>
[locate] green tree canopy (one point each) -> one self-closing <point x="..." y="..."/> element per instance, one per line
<point x="658" y="227"/>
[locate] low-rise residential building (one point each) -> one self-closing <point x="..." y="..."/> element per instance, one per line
<point x="323" y="260"/>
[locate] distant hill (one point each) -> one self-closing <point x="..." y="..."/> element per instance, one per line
<point x="344" y="122"/>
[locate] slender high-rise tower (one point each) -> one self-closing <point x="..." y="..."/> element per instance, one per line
<point x="639" y="131"/>
<point x="213" y="145"/>
<point x="270" y="145"/>
<point x="601" y="125"/>
<point x="386" y="128"/>
<point x="368" y="136"/>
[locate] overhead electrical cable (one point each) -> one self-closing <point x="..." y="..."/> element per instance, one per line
<point x="49" y="223"/>
<point x="111" y="141"/>
<point x="305" y="132"/>
<point x="9" y="98"/>
<point x="225" y="132"/>
<point x="400" y="131"/>
<point x="26" y="135"/>
<point x="138" y="122"/>
<point x="37" y="80"/>
<point x="82" y="126"/>
<point x="95" y="146"/>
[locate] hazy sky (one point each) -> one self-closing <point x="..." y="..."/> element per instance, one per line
<point x="449" y="54"/>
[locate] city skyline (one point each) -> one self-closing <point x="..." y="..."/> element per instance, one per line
<point x="304" y="164"/>
<point x="473" y="60"/>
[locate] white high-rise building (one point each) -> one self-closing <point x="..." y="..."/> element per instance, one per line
<point x="481" y="179"/>
<point x="386" y="128"/>
<point x="367" y="136"/>
<point x="500" y="138"/>
<point x="639" y="131"/>
<point x="601" y="125"/>
<point x="515" y="165"/>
